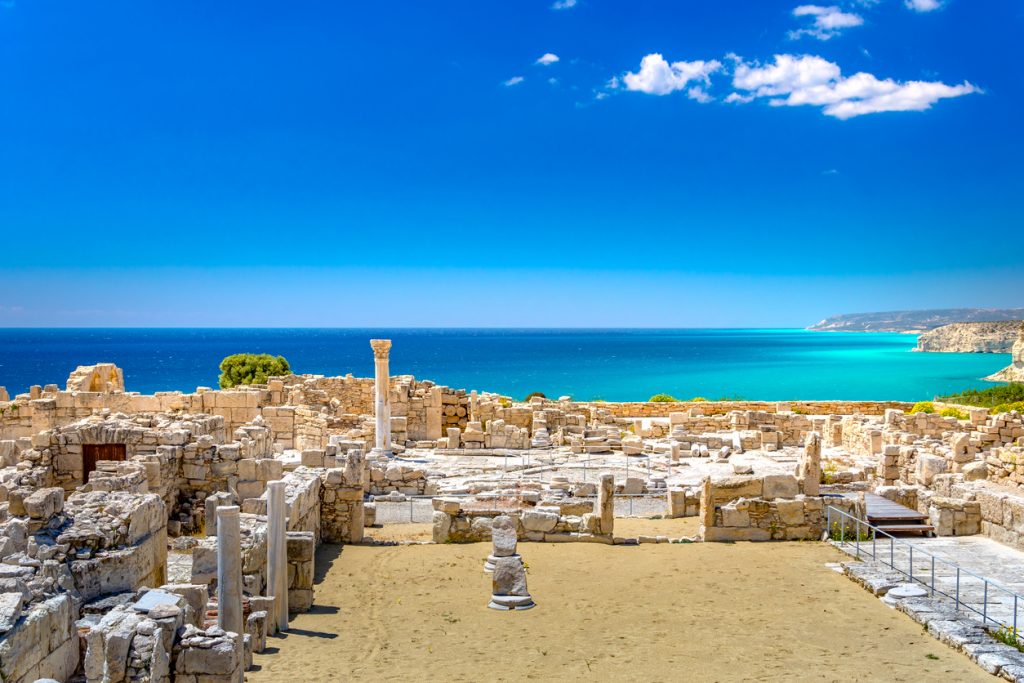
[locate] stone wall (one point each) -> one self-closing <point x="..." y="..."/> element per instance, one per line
<point x="766" y="509"/>
<point x="42" y="643"/>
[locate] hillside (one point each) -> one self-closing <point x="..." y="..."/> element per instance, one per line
<point x="914" y="322"/>
<point x="987" y="337"/>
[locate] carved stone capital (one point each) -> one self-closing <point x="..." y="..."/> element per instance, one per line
<point x="381" y="348"/>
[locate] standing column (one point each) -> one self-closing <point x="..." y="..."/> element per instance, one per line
<point x="229" y="570"/>
<point x="277" y="552"/>
<point x="382" y="393"/>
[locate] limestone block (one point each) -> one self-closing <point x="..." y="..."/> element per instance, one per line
<point x="537" y="520"/>
<point x="791" y="512"/>
<point x="677" y="502"/>
<point x="44" y="503"/>
<point x="928" y="466"/>
<point x="735" y="514"/>
<point x="442" y="524"/>
<point x="780" y="486"/>
<point x="732" y="488"/>
<point x="975" y="471"/>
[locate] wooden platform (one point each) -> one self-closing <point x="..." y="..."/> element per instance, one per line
<point x="892" y="517"/>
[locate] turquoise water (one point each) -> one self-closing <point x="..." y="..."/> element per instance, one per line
<point x="615" y="365"/>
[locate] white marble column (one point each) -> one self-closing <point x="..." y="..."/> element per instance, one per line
<point x="382" y="395"/>
<point x="229" y="570"/>
<point x="277" y="553"/>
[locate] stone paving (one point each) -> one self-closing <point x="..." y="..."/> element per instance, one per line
<point x="976" y="556"/>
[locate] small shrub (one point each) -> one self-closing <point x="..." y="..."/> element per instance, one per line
<point x="1009" y="636"/>
<point x="532" y="395"/>
<point x="698" y="399"/>
<point x="923" y="407"/>
<point x="1007" y="407"/>
<point x="798" y="411"/>
<point x="505" y="402"/>
<point x="663" y="398"/>
<point x="829" y="472"/>
<point x="251" y="368"/>
<point x="954" y="412"/>
<point x="988" y="398"/>
<point x="837" y="533"/>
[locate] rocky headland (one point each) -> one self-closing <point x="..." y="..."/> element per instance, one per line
<point x="982" y="337"/>
<point x="913" y="322"/>
<point x="1014" y="372"/>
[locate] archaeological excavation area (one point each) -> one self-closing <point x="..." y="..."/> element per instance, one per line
<point x="332" y="528"/>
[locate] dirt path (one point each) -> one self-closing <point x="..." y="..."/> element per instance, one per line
<point x="707" y="612"/>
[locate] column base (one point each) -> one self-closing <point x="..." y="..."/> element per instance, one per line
<point x="510" y="603"/>
<point x="491" y="559"/>
<point x="386" y="452"/>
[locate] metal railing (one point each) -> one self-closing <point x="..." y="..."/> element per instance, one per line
<point x="990" y="589"/>
<point x="421" y="511"/>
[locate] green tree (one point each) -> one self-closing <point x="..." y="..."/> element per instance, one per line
<point x="251" y="368"/>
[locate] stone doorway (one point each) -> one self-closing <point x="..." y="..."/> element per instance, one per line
<point x="94" y="452"/>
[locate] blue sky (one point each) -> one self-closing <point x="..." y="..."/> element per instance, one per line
<point x="491" y="163"/>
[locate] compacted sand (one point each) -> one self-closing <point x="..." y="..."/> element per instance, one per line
<point x="702" y="612"/>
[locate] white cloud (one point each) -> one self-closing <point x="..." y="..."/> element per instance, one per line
<point x="658" y="77"/>
<point x="547" y="59"/>
<point x="564" y="4"/>
<point x="515" y="80"/>
<point x="809" y="80"/>
<point x="826" y="22"/>
<point x="553" y="81"/>
<point x="923" y="5"/>
<point x="699" y="94"/>
<point x="737" y="98"/>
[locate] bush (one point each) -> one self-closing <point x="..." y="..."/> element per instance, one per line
<point x="923" y="407"/>
<point x="531" y="395"/>
<point x="954" y="412"/>
<point x="251" y="368"/>
<point x="698" y="399"/>
<point x="988" y="398"/>
<point x="1007" y="407"/>
<point x="662" y="398"/>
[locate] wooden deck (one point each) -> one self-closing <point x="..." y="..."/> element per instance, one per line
<point x="892" y="517"/>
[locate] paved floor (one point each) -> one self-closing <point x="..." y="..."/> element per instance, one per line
<point x="976" y="556"/>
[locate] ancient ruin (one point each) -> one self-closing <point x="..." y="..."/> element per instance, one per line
<point x="165" y="537"/>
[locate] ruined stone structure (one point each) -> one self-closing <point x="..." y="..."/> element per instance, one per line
<point x="107" y="497"/>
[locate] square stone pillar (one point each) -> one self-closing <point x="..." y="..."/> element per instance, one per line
<point x="277" y="552"/>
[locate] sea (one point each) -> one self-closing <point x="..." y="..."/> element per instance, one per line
<point x="587" y="364"/>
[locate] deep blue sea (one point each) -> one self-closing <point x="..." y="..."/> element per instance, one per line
<point x="614" y="365"/>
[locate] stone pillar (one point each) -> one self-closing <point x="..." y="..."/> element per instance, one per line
<point x="229" y="570"/>
<point x="213" y="502"/>
<point x="810" y="465"/>
<point x="277" y="553"/>
<point x="606" y="503"/>
<point x="504" y="541"/>
<point x="707" y="505"/>
<point x="382" y="394"/>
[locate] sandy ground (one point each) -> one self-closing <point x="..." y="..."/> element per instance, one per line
<point x="707" y="612"/>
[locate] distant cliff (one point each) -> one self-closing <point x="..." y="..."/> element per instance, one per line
<point x="988" y="337"/>
<point x="1015" y="371"/>
<point x="914" y="322"/>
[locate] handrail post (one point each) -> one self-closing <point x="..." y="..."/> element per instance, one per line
<point x="1015" y="617"/>
<point x="892" y="552"/>
<point x="828" y="522"/>
<point x="874" y="538"/>
<point x="857" y="539"/>
<point x="984" y="606"/>
<point x="958" y="588"/>
<point x="911" y="563"/>
<point x="933" y="576"/>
